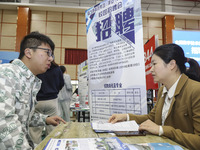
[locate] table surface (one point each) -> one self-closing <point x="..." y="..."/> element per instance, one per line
<point x="84" y="130"/>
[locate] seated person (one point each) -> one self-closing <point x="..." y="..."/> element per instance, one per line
<point x="176" y="114"/>
<point x="18" y="89"/>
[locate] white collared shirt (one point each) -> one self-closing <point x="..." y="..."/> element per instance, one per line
<point x="168" y="99"/>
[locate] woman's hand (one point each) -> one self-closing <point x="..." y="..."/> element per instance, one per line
<point x="117" y="118"/>
<point x="149" y="126"/>
<point x="54" y="120"/>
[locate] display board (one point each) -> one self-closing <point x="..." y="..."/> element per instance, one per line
<point x="149" y="48"/>
<point x="7" y="56"/>
<point x="83" y="82"/>
<point x="189" y="41"/>
<point x="115" y="59"/>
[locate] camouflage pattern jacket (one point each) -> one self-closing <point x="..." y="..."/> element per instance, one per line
<point x="18" y="89"/>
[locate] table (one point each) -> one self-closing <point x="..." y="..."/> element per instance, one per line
<point x="84" y="130"/>
<point x="82" y="111"/>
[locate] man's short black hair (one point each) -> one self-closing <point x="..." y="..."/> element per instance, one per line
<point x="35" y="39"/>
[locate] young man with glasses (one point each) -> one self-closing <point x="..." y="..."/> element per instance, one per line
<point x="18" y="89"/>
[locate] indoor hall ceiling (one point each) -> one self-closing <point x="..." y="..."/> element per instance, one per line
<point x="170" y="6"/>
<point x="178" y="6"/>
<point x="175" y="6"/>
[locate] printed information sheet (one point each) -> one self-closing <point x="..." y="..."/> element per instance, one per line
<point x="86" y="144"/>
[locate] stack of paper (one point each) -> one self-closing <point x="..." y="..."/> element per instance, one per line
<point x="119" y="126"/>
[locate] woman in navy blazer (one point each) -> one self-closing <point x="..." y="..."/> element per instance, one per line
<point x="176" y="114"/>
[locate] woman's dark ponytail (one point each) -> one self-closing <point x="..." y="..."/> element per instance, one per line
<point x="193" y="72"/>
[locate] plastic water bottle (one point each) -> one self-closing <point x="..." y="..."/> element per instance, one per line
<point x="77" y="101"/>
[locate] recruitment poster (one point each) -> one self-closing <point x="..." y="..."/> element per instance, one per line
<point x="115" y="59"/>
<point x="149" y="48"/>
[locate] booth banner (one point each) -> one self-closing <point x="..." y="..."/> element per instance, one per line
<point x="7" y="56"/>
<point x="83" y="82"/>
<point x="115" y="59"/>
<point x="189" y="40"/>
<point x="149" y="48"/>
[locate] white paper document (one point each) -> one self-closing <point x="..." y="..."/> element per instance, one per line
<point x="119" y="126"/>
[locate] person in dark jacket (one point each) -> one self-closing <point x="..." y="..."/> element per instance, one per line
<point x="47" y="97"/>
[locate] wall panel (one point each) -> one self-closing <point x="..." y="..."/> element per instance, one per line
<point x="8" y="24"/>
<point x="54" y="16"/>
<point x="81" y="18"/>
<point x="70" y="28"/>
<point x="180" y="23"/>
<point x="69" y="41"/>
<point x="38" y="15"/>
<point x="192" y="24"/>
<point x="70" y="17"/>
<point x="82" y="42"/>
<point x="8" y="29"/>
<point x="82" y="29"/>
<point x="53" y="27"/>
<point x="10" y="16"/>
<point x="39" y="26"/>
<point x="8" y="43"/>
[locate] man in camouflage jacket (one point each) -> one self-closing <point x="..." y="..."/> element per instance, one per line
<point x="18" y="89"/>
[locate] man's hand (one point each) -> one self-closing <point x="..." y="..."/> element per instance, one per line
<point x="54" y="120"/>
<point x="149" y="126"/>
<point x="117" y="118"/>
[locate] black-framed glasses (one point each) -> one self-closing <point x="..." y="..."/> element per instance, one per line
<point x="48" y="51"/>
